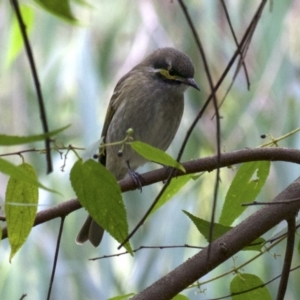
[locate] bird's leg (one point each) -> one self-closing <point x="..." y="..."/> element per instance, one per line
<point x="136" y="177"/>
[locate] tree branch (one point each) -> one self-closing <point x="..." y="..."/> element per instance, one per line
<point x="200" y="165"/>
<point x="224" y="247"/>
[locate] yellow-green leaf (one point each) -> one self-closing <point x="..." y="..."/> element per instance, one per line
<point x="204" y="228"/>
<point x="21" y="201"/>
<point x="156" y="155"/>
<point x="245" y="282"/>
<point x="245" y="187"/>
<point x="18" y="173"/>
<point x="99" y="192"/>
<point x="173" y="188"/>
<point x="11" y="140"/>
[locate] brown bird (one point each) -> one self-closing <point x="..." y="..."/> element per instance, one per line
<point x="148" y="99"/>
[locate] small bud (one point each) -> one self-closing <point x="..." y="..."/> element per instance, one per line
<point x="129" y="131"/>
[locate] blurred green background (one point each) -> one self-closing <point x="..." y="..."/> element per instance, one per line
<point x="79" y="66"/>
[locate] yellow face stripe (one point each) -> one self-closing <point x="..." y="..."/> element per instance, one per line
<point x="167" y="75"/>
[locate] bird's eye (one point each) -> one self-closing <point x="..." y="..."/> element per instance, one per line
<point x="172" y="72"/>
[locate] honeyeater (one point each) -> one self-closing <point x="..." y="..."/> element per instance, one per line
<point x="149" y="99"/>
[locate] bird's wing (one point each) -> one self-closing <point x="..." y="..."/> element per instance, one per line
<point x="113" y="105"/>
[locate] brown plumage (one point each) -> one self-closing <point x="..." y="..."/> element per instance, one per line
<point x="148" y="99"/>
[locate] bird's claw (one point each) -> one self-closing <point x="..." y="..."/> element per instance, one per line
<point x="136" y="177"/>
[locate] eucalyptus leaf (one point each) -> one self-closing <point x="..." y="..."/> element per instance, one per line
<point x="11" y="140"/>
<point x="173" y="188"/>
<point x="219" y="230"/>
<point x="156" y="155"/>
<point x="245" y="187"/>
<point x="60" y="8"/>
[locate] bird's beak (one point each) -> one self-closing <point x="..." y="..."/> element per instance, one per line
<point x="191" y="82"/>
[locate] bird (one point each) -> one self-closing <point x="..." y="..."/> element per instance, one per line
<point x="149" y="99"/>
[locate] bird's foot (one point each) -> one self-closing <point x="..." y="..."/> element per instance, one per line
<point x="136" y="177"/>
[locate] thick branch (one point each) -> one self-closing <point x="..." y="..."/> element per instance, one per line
<point x="199" y="165"/>
<point x="225" y="247"/>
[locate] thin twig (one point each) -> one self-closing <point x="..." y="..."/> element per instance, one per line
<point x="29" y="53"/>
<point x="236" y="41"/>
<point x="242" y="44"/>
<point x="70" y="147"/>
<point x="288" y="258"/>
<point x="141" y="222"/>
<point x="55" y="257"/>
<point x="224" y="74"/>
<point x="215" y="103"/>
<point x="147" y="247"/>
<point x="270" y="203"/>
<point x="203" y="56"/>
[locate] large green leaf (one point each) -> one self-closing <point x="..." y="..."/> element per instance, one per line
<point x="245" y="187"/>
<point x="218" y="230"/>
<point x="18" y="173"/>
<point x="21" y="201"/>
<point x="11" y="140"/>
<point x="245" y="282"/>
<point x="156" y="155"/>
<point x="99" y="192"/>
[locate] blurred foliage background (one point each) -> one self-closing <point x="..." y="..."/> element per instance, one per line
<point x="79" y="65"/>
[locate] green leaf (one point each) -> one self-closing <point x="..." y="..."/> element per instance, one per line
<point x="173" y="188"/>
<point x="99" y="192"/>
<point x="180" y="297"/>
<point x="219" y="230"/>
<point x="60" y="8"/>
<point x="16" y="41"/>
<point x="123" y="297"/>
<point x="244" y="282"/>
<point x="18" y="173"/>
<point x="10" y="140"/>
<point x="156" y="155"/>
<point x="21" y="201"/>
<point x="245" y="187"/>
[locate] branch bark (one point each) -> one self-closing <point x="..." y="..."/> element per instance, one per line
<point x="225" y="247"/>
<point x="200" y="165"/>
